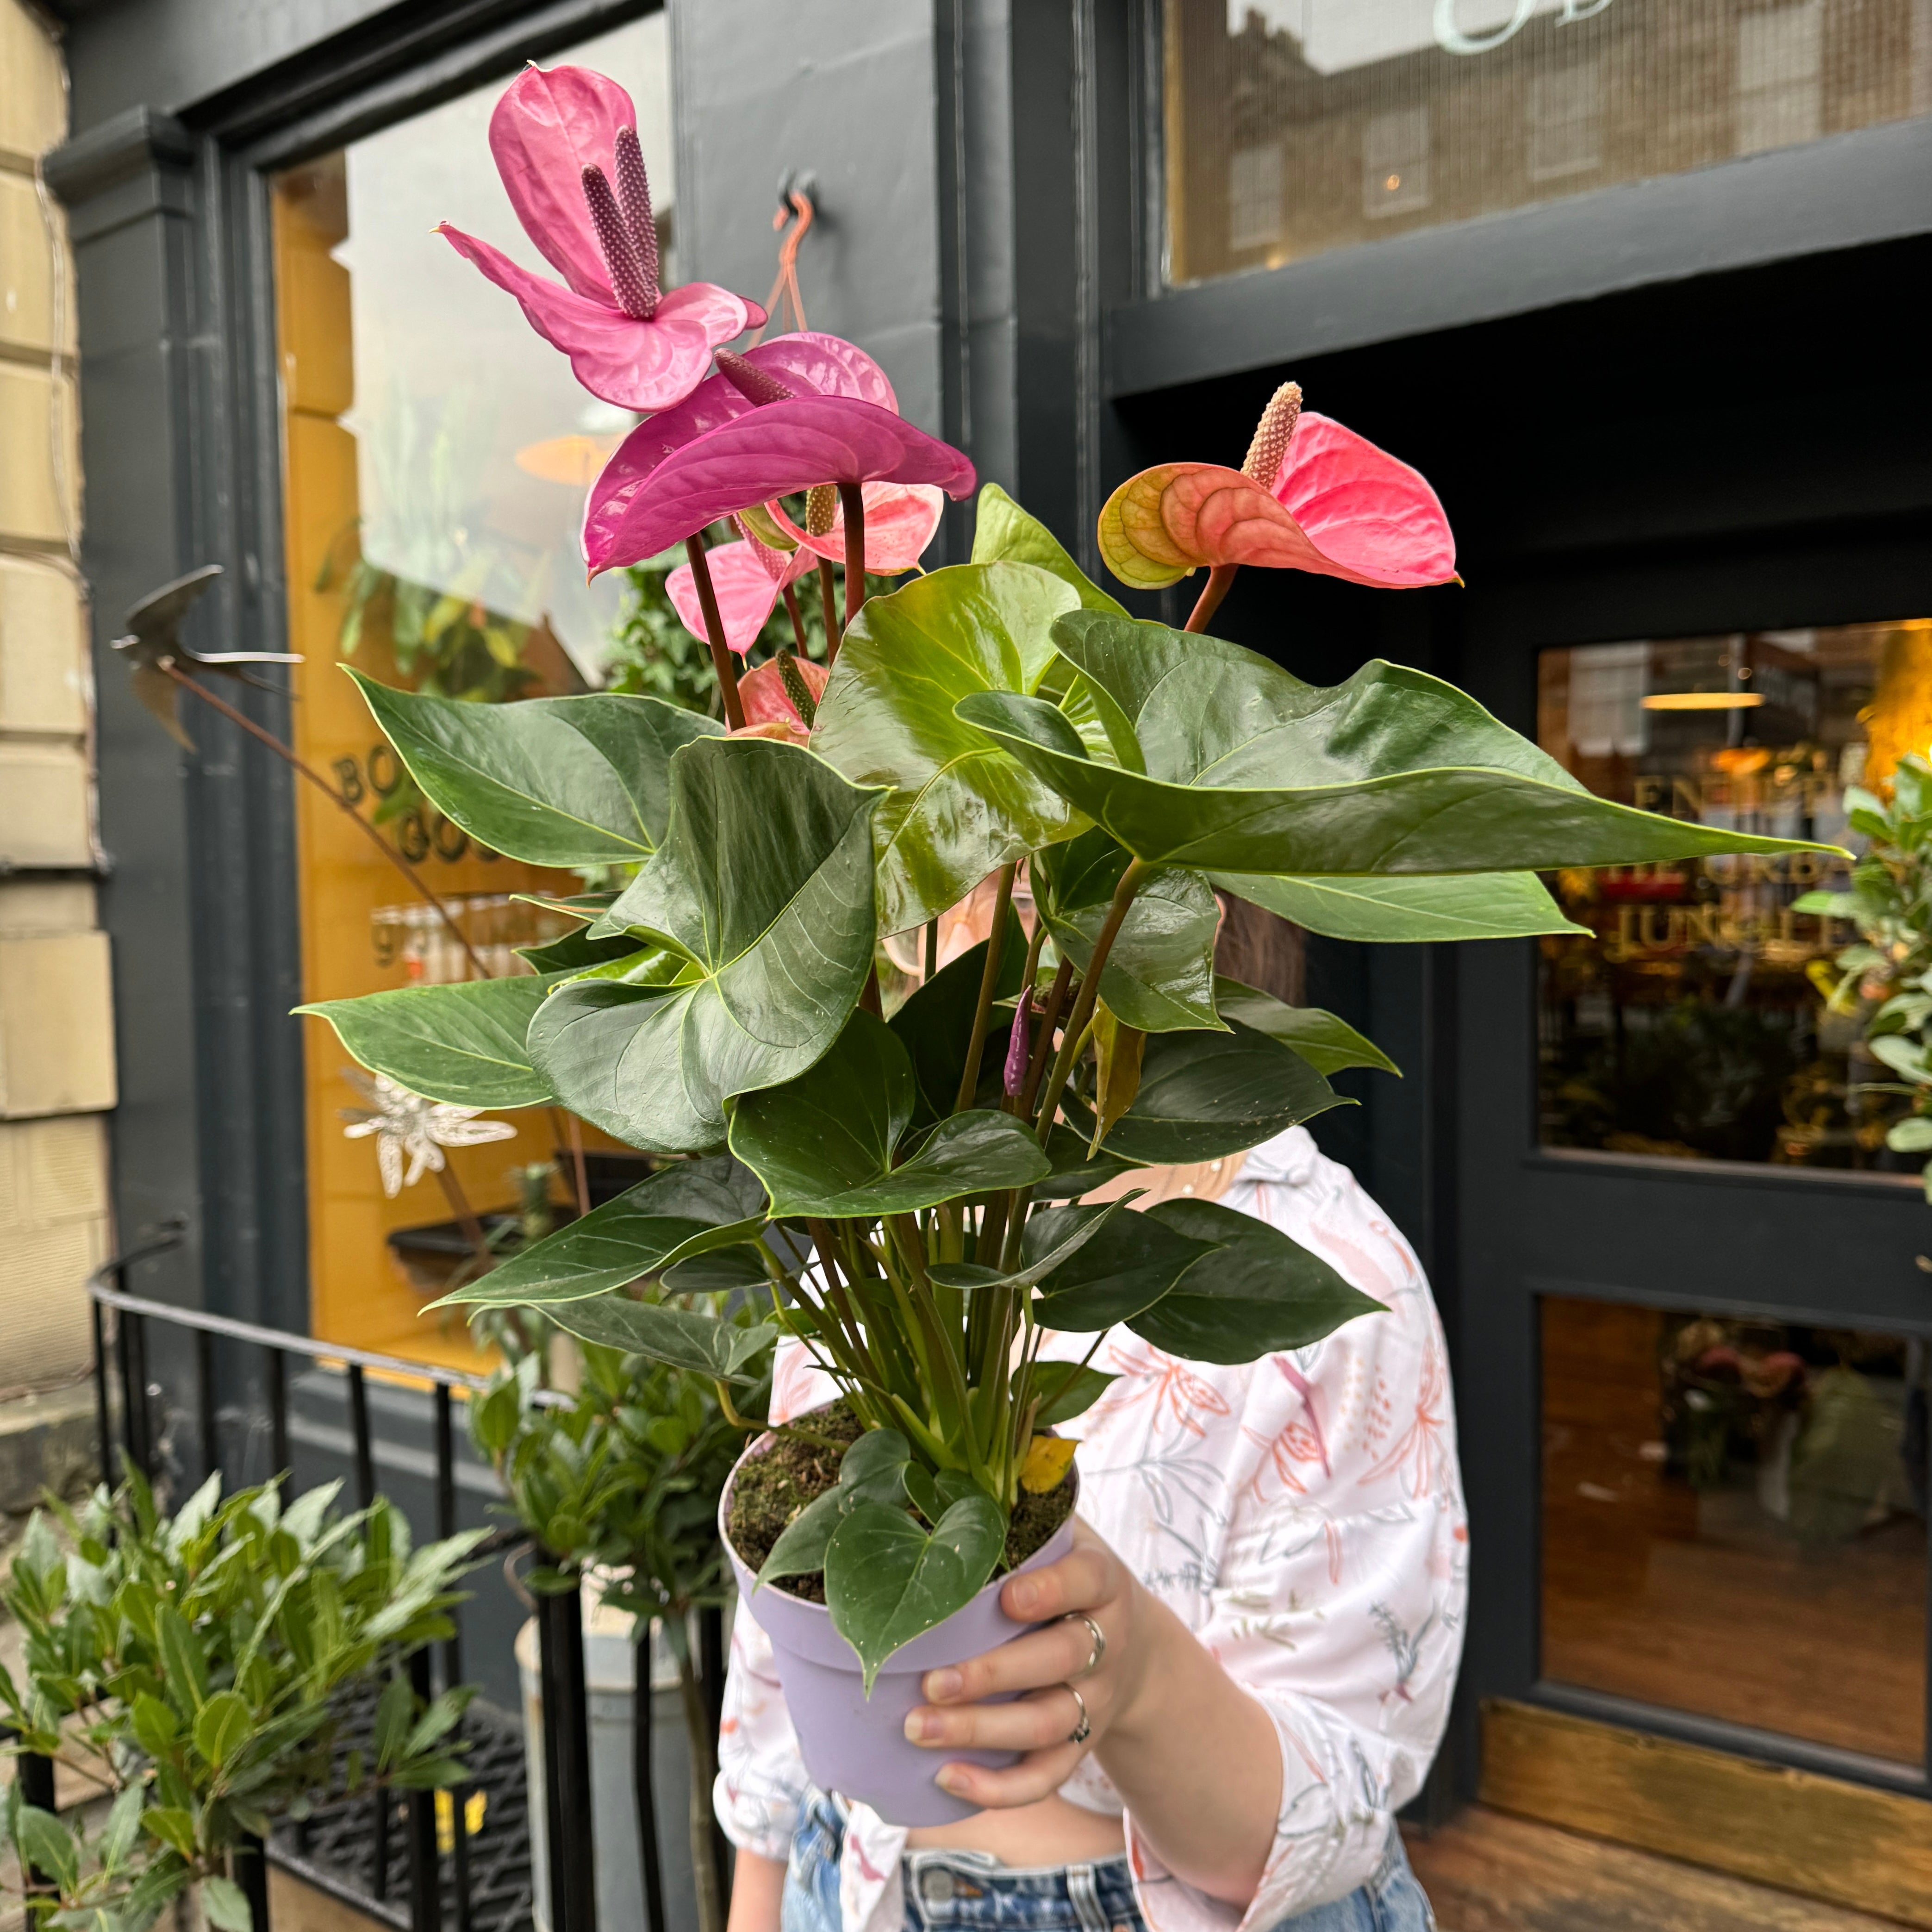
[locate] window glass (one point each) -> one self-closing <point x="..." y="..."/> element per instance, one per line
<point x="1690" y="1021"/>
<point x="1295" y="126"/>
<point x="436" y="454"/>
<point x="1734" y="1520"/>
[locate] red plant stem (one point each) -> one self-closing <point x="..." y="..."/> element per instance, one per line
<point x="797" y="620"/>
<point x="465" y="1215"/>
<point x="289" y="757"/>
<point x="989" y="978"/>
<point x="1209" y="601"/>
<point x="714" y="633"/>
<point x="852" y="501"/>
<point x="828" y="603"/>
<point x="569" y="1130"/>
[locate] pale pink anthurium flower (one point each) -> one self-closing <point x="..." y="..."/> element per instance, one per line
<point x="565" y="143"/>
<point x="900" y="520"/>
<point x="768" y="710"/>
<point x="748" y="578"/>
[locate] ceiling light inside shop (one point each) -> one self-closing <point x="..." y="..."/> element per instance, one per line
<point x="1703" y="701"/>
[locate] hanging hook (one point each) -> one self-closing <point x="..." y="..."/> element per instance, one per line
<point x="798" y="196"/>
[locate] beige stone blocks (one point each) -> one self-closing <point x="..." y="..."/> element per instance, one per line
<point x="33" y="100"/>
<point x="56" y="1025"/>
<point x="53" y="1234"/>
<point x="46" y="801"/>
<point x="36" y="305"/>
<point x="40" y="454"/>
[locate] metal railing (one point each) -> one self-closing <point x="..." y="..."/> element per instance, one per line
<point x="123" y="1324"/>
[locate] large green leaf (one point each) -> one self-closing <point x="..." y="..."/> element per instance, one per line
<point x="1126" y="1266"/>
<point x="556" y="781"/>
<point x="1073" y="1173"/>
<point x="935" y="1024"/>
<point x="1327" y="1044"/>
<point x="960" y="806"/>
<point x="685" y="1338"/>
<point x="1203" y="1095"/>
<point x="1004" y="532"/>
<point x="872" y="1471"/>
<point x="1250" y="770"/>
<point x="1408" y="907"/>
<point x="827" y="1143"/>
<point x="690" y="1208"/>
<point x="1071" y="1232"/>
<point x="888" y="1581"/>
<point x="1257" y="1292"/>
<point x="764" y="882"/>
<point x="1159" y="975"/>
<point x="463" y="1043"/>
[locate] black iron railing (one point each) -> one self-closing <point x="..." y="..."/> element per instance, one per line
<point x="137" y="1414"/>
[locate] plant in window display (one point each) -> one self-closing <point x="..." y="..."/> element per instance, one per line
<point x="904" y="1191"/>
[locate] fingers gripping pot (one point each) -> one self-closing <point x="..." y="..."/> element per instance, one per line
<point x="855" y="1745"/>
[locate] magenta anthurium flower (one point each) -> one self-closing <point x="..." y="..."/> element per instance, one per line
<point x="747" y="578"/>
<point x="768" y="710"/>
<point x="827" y="415"/>
<point x="900" y="520"/>
<point x="565" y="143"/>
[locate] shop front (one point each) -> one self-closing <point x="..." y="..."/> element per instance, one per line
<point x="1638" y="286"/>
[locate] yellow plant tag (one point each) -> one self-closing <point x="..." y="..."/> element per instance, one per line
<point x="1047" y="1461"/>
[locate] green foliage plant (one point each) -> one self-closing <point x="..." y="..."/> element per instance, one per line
<point x="199" y="1667"/>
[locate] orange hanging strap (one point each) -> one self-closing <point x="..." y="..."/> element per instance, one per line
<point x="794" y="217"/>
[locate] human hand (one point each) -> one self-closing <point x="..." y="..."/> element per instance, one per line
<point x="1091" y="1582"/>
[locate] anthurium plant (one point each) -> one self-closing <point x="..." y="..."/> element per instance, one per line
<point x="903" y="1192"/>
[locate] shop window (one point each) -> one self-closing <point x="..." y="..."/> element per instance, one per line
<point x="1690" y="1022"/>
<point x="1734" y="1520"/>
<point x="436" y="456"/>
<point x="1391" y="115"/>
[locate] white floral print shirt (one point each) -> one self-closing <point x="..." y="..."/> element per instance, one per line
<point x="1303" y="1515"/>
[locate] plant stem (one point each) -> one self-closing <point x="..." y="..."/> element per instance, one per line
<point x="1049" y="1017"/>
<point x="989" y="978"/>
<point x="852" y="501"/>
<point x="828" y="603"/>
<point x="1035" y="946"/>
<point x="465" y="1216"/>
<point x="569" y="1130"/>
<point x="797" y="620"/>
<point x="1219" y="579"/>
<point x="931" y="950"/>
<point x="289" y="757"/>
<point x="703" y="1746"/>
<point x="714" y="633"/>
<point x="1075" y="1035"/>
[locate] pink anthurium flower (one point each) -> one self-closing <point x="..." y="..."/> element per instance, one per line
<point x="748" y="578"/>
<point x="900" y="520"/>
<point x="821" y="412"/>
<point x="1312" y="496"/>
<point x="768" y="710"/>
<point x="561" y="140"/>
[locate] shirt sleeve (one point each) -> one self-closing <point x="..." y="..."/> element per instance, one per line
<point x="762" y="1784"/>
<point x="1339" y="1596"/>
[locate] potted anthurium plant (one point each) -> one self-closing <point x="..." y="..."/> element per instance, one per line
<point x="902" y="1194"/>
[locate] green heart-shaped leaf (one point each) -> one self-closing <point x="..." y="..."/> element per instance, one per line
<point x="877" y="1469"/>
<point x="935" y="1024"/>
<point x="1258" y="1292"/>
<point x="578" y="949"/>
<point x="556" y="780"/>
<point x="1393" y="771"/>
<point x="764" y="883"/>
<point x="960" y="806"/>
<point x="827" y="1143"/>
<point x="1408" y="909"/>
<point x="1004" y="532"/>
<point x="685" y="1338"/>
<point x="888" y="1581"/>
<point x="1074" y="1173"/>
<point x="1066" y="1390"/>
<point x="1159" y="975"/>
<point x="462" y="1043"/>
<point x="1205" y="1095"/>
<point x="1072" y="1229"/>
<point x="1328" y="1045"/>
<point x="688" y="1209"/>
<point x="1130" y="1263"/>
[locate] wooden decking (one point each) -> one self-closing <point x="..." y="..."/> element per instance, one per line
<point x="1486" y="1872"/>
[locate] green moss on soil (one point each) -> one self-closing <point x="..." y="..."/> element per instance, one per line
<point x="772" y="1488"/>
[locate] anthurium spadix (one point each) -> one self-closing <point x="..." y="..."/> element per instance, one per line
<point x="565" y="143"/>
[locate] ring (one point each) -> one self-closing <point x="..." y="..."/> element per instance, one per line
<point x="1100" y="1637"/>
<point x="1082" y="1731"/>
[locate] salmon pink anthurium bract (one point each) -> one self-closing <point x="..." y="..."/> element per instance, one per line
<point x="745" y="585"/>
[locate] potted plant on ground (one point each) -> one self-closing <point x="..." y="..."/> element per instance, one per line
<point x="902" y="1194"/>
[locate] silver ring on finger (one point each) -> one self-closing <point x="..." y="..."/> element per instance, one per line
<point x="1098" y="1651"/>
<point x="1082" y="1731"/>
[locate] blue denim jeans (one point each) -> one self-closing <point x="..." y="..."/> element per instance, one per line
<point x="970" y="1891"/>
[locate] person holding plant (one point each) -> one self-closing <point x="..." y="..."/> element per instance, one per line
<point x="1274" y="1559"/>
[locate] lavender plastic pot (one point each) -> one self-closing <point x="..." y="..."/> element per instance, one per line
<point x="855" y="1745"/>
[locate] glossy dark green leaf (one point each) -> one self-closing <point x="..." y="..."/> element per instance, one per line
<point x="1393" y="771"/>
<point x="874" y="1470"/>
<point x="1067" y="1389"/>
<point x="1072" y="1228"/>
<point x="888" y="1581"/>
<point x="1159" y="975"/>
<point x="800" y="1548"/>
<point x="1257" y="1292"/>
<point x="1073" y="1173"/>
<point x="1002" y="533"/>
<point x="734" y="1271"/>
<point x="463" y="1043"/>
<point x="577" y="949"/>
<point x="932" y="1495"/>
<point x="1130" y="1263"/>
<point x="556" y="781"/>
<point x="1408" y="909"/>
<point x="828" y="1142"/>
<point x="935" y="1024"/>
<point x="960" y="807"/>
<point x="685" y="1338"/>
<point x="1327" y="1044"/>
<point x="690" y="1208"/>
<point x="1203" y="1095"/>
<point x="764" y="882"/>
